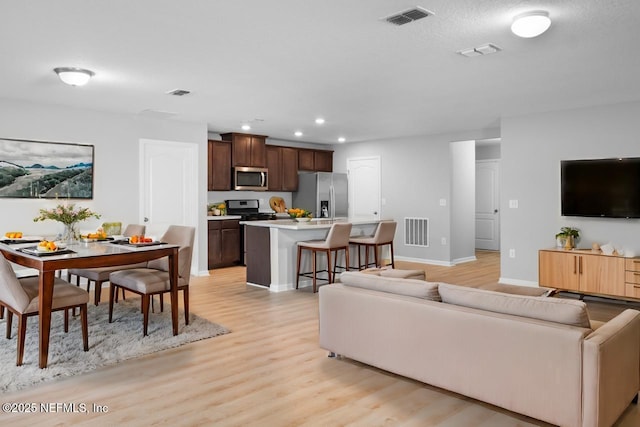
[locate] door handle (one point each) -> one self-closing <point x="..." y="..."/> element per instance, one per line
<point x="375" y="212"/>
<point x="580" y="264"/>
<point x="495" y="211"/>
<point x="146" y="219"/>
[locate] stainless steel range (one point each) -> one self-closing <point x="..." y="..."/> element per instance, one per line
<point x="248" y="210"/>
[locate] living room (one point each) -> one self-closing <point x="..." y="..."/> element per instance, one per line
<point x="599" y="120"/>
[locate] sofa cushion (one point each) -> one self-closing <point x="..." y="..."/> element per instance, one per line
<point x="394" y="285"/>
<point x="568" y="312"/>
<point x="393" y="272"/>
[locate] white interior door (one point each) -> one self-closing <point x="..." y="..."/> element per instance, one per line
<point x="364" y="188"/>
<point x="169" y="181"/>
<point x="487" y="204"/>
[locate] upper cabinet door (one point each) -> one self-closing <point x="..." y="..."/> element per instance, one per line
<point x="289" y="169"/>
<point x="274" y="164"/>
<point x="219" y="166"/>
<point x="248" y="150"/>
<point x="305" y="160"/>
<point x="323" y="161"/>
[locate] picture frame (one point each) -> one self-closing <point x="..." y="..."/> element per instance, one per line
<point x="45" y="170"/>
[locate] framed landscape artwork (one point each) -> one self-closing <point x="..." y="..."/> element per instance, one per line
<point x="45" y="170"/>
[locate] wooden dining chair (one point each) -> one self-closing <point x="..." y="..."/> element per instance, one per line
<point x="20" y="297"/>
<point x="154" y="279"/>
<point x="99" y="275"/>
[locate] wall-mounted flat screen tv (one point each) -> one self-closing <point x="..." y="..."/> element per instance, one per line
<point x="608" y="188"/>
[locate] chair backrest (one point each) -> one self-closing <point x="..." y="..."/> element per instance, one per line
<point x="182" y="236"/>
<point x="134" y="230"/>
<point x="385" y="232"/>
<point x="339" y="235"/>
<point x="11" y="291"/>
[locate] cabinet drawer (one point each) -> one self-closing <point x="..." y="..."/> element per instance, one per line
<point x="632" y="264"/>
<point x="632" y="290"/>
<point x="632" y="277"/>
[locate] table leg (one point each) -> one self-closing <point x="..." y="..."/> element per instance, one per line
<point x="173" y="272"/>
<point x="45" y="300"/>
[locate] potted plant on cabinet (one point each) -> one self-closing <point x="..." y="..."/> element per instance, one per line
<point x="567" y="237"/>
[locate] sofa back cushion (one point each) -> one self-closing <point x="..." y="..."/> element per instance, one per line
<point x="408" y="287"/>
<point x="568" y="312"/>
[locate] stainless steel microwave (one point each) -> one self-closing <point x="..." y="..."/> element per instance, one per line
<point x="251" y="179"/>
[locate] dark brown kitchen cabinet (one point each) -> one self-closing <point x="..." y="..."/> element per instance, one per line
<point x="219" y="160"/>
<point x="224" y="243"/>
<point x="247" y="150"/>
<point x="315" y="160"/>
<point x="282" y="163"/>
<point x="323" y="161"/>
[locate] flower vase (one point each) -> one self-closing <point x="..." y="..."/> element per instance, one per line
<point x="69" y="233"/>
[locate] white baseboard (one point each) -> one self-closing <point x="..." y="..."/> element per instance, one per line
<point x="507" y="281"/>
<point x="463" y="260"/>
<point x="425" y="261"/>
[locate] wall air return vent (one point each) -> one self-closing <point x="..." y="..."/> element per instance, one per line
<point x="416" y="232"/>
<point x="178" y="92"/>
<point x="408" y="16"/>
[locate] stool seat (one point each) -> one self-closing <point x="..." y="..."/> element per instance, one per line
<point x="383" y="236"/>
<point x="337" y="240"/>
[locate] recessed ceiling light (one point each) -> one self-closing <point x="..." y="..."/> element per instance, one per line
<point x="246" y="127"/>
<point x="74" y="76"/>
<point x="319" y="121"/>
<point x="298" y="133"/>
<point x="342" y="139"/>
<point x="531" y="24"/>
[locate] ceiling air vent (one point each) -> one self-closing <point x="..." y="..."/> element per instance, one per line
<point x="407" y="16"/>
<point x="178" y="92"/>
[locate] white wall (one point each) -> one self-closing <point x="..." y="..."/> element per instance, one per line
<point x="463" y="200"/>
<point x="415" y="175"/>
<point x="532" y="147"/>
<point x="115" y="138"/>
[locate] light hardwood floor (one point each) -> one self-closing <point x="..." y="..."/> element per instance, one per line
<point x="269" y="371"/>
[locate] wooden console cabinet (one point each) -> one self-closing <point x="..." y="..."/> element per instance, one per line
<point x="585" y="272"/>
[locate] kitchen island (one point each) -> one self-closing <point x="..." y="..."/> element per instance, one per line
<point x="272" y="249"/>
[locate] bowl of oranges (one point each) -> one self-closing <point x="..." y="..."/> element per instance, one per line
<point x="13" y="235"/>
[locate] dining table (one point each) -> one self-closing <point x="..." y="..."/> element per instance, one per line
<point x="85" y="255"/>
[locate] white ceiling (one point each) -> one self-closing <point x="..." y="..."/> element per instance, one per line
<point x="287" y="62"/>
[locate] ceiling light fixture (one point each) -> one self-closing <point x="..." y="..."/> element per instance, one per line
<point x="341" y="139"/>
<point x="319" y="121"/>
<point x="74" y="76"/>
<point x="246" y="127"/>
<point x="531" y="24"/>
<point x="298" y="133"/>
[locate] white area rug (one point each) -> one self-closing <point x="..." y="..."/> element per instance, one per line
<point x="109" y="343"/>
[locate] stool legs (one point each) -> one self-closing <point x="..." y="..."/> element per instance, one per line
<point x="331" y="269"/>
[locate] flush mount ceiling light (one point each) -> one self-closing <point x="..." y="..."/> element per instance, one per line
<point x="342" y="139"/>
<point x="246" y="127"/>
<point x="531" y="24"/>
<point x="74" y="76"/>
<point x="298" y="133"/>
<point x="319" y="121"/>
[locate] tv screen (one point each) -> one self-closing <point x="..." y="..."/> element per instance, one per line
<point x="601" y="188"/>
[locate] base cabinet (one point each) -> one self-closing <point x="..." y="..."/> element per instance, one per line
<point x="583" y="272"/>
<point x="223" y="243"/>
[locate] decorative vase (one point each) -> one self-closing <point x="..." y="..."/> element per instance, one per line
<point x="69" y="234"/>
<point x="569" y="243"/>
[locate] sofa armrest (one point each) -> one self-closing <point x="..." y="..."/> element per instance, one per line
<point x="611" y="369"/>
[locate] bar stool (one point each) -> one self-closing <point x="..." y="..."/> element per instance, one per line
<point x="383" y="236"/>
<point x="337" y="239"/>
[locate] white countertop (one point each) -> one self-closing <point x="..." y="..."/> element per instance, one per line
<point x="221" y="217"/>
<point x="287" y="224"/>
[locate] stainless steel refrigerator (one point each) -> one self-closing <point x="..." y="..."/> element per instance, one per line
<point x="323" y="193"/>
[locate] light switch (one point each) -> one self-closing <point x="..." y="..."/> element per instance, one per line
<point x="443" y="202"/>
<point x="513" y="204"/>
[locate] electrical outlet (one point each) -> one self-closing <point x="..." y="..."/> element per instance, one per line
<point x="512" y="253"/>
<point x="443" y="241"/>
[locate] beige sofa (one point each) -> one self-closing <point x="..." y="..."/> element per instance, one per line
<point x="536" y="356"/>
